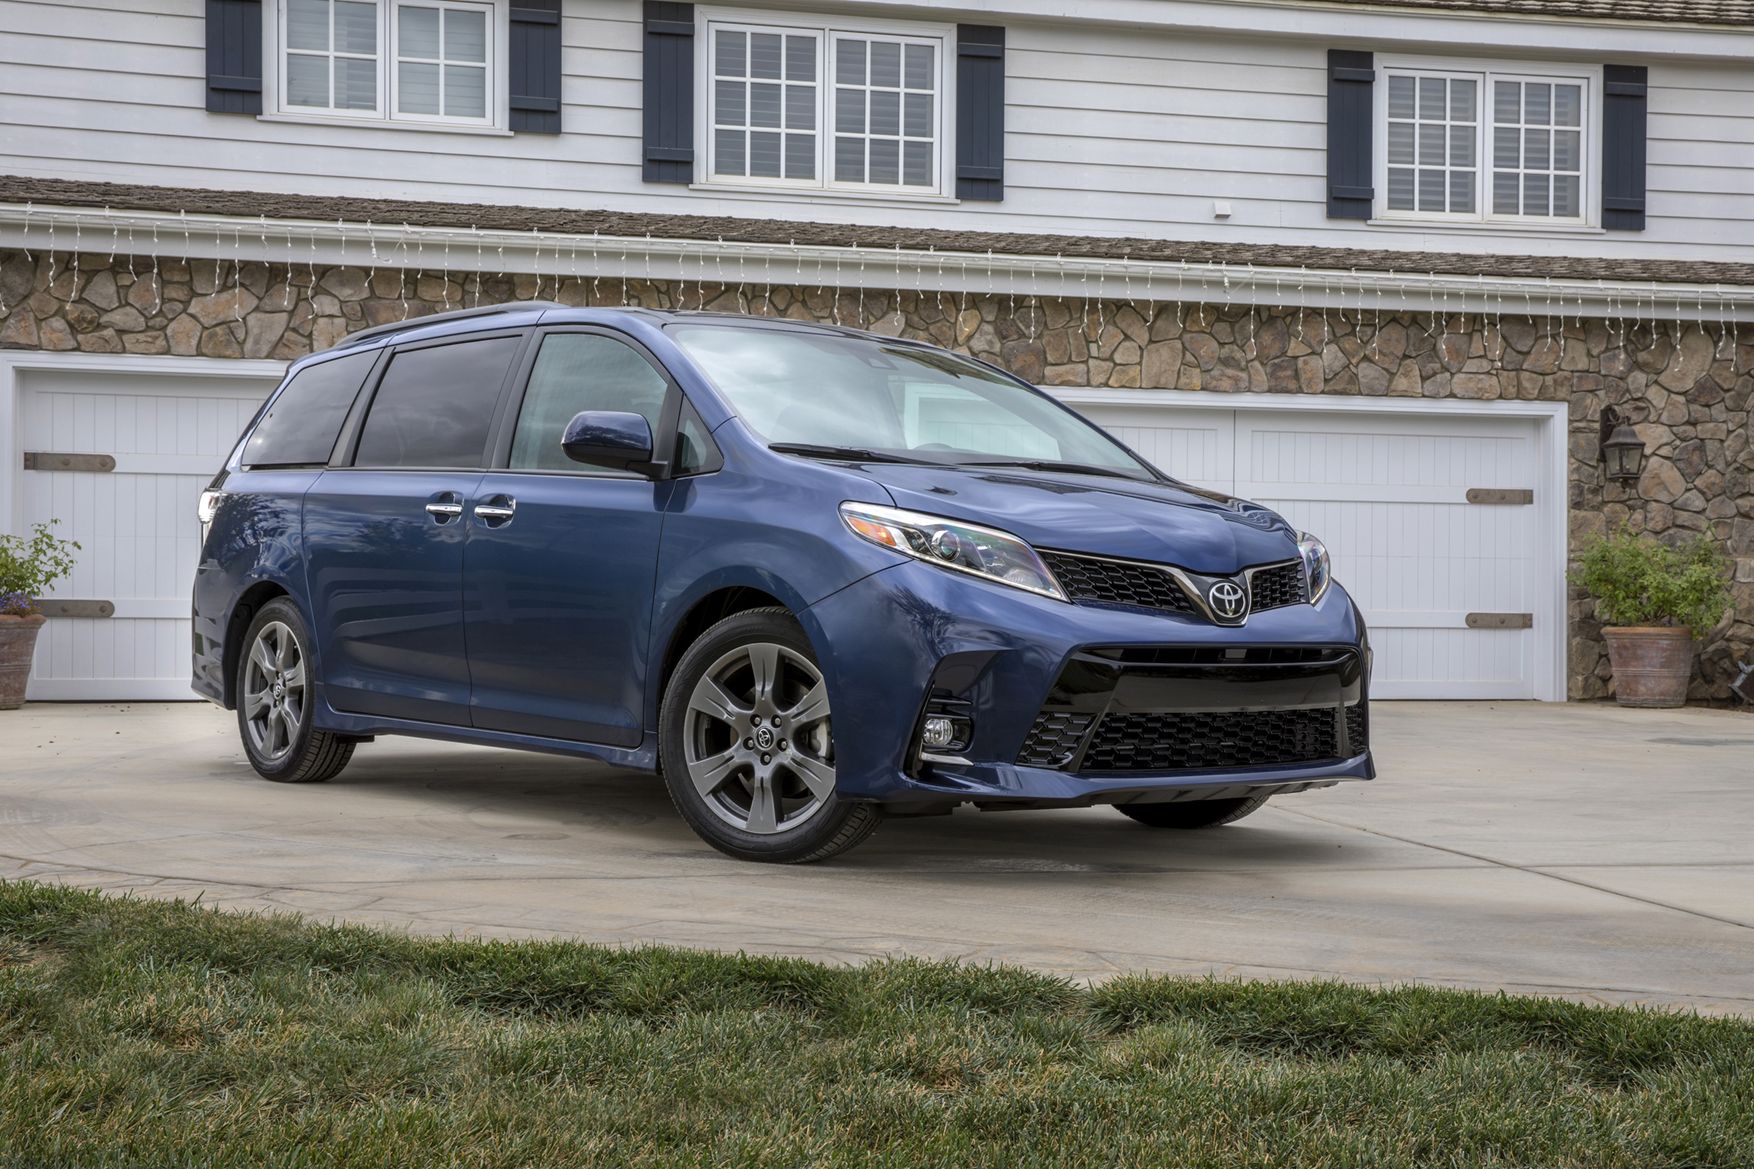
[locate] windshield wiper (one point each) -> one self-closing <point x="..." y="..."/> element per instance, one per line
<point x="1051" y="465"/>
<point x="854" y="453"/>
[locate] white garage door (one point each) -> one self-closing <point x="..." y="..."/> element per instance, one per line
<point x="136" y="522"/>
<point x="1458" y="593"/>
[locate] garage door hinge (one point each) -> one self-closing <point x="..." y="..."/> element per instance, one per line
<point x="1501" y="496"/>
<point x="58" y="461"/>
<point x="77" y="608"/>
<point x="1501" y="620"/>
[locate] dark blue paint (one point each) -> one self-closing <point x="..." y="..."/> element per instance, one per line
<point x="551" y="632"/>
<point x="385" y="581"/>
<point x="558" y="604"/>
<point x="616" y="439"/>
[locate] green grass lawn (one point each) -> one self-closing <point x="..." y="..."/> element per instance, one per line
<point x="144" y="1033"/>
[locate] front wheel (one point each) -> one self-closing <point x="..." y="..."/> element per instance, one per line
<point x="748" y="745"/>
<point x="1194" y="814"/>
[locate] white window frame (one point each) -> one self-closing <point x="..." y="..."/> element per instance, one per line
<point x="386" y="113"/>
<point x="942" y="37"/>
<point x="1484" y="73"/>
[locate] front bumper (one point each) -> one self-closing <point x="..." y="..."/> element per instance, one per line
<point x="1072" y="705"/>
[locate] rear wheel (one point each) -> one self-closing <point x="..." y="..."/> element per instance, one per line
<point x="1195" y="814"/>
<point x="748" y="745"/>
<point x="275" y="701"/>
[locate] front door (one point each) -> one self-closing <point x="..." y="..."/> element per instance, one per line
<point x="384" y="537"/>
<point x="560" y="560"/>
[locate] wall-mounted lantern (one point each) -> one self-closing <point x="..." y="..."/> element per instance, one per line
<point x="1622" y="449"/>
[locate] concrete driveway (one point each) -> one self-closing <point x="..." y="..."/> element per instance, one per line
<point x="1581" y="851"/>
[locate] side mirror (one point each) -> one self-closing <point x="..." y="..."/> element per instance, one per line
<point x="617" y="439"/>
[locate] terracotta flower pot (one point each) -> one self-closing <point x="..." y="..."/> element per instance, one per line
<point x="18" y="644"/>
<point x="1652" y="664"/>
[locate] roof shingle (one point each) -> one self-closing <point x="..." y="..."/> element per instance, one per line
<point x="632" y="224"/>
<point x="1714" y="12"/>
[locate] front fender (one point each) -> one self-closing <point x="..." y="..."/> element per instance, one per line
<point x="723" y="531"/>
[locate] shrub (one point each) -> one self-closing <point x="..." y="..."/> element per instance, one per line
<point x="29" y="565"/>
<point x="1637" y="580"/>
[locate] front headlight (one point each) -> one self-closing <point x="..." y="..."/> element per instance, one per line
<point x="1316" y="569"/>
<point x="954" y="544"/>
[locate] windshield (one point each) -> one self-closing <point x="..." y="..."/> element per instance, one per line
<point x="807" y="389"/>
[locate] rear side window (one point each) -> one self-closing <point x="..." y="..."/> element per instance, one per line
<point x="434" y="406"/>
<point x="301" y="426"/>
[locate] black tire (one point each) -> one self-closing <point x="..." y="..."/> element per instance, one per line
<point x="827" y="825"/>
<point x="1192" y="814"/>
<point x="307" y="755"/>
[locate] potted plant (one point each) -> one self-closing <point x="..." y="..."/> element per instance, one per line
<point x="29" y="565"/>
<point x="1652" y="600"/>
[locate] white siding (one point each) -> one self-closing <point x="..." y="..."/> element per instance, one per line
<point x="1112" y="130"/>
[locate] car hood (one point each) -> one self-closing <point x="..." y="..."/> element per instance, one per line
<point x="1171" y="523"/>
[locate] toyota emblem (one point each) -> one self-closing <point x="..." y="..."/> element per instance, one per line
<point x="1228" y="600"/>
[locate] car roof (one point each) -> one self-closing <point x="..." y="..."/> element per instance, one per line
<point x="521" y="314"/>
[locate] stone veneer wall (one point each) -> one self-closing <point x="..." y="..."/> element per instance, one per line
<point x="1689" y="386"/>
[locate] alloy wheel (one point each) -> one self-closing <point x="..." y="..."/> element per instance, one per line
<point x="757" y="739"/>
<point x="274" y="691"/>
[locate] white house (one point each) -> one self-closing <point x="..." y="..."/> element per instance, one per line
<point x="1385" y="266"/>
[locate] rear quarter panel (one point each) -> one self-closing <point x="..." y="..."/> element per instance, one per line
<point x="255" y="539"/>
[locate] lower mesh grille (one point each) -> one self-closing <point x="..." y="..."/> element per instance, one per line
<point x="1232" y="738"/>
<point x="1053" y="740"/>
<point x="1358" y="728"/>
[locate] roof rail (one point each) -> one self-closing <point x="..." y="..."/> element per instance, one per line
<point x="486" y="310"/>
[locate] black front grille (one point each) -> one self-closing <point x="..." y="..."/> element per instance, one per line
<point x="1053" y="740"/>
<point x="1087" y="578"/>
<point x="1276" y="587"/>
<point x="1176" y="741"/>
<point x="1358" y="728"/>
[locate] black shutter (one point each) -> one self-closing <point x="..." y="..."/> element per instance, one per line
<point x="980" y="112"/>
<point x="533" y="65"/>
<point x="1351" y="190"/>
<point x="234" y="56"/>
<point x="1624" y="105"/>
<point x="669" y="92"/>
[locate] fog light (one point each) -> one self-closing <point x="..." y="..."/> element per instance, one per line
<point x="938" y="732"/>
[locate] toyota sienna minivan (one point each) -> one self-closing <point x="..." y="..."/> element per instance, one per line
<point x="810" y="576"/>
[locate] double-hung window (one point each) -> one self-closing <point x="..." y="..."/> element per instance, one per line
<point x="402" y="60"/>
<point x="1485" y="145"/>
<point x="825" y="106"/>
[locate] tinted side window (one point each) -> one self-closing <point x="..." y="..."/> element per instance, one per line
<point x="435" y="405"/>
<point x="302" y="424"/>
<point x="575" y="372"/>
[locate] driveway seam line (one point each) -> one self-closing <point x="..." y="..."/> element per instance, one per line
<point x="1533" y="872"/>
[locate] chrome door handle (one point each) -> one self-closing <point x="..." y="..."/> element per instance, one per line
<point x="497" y="512"/>
<point x="444" y="511"/>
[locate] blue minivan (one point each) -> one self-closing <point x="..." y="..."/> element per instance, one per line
<point x="811" y="576"/>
